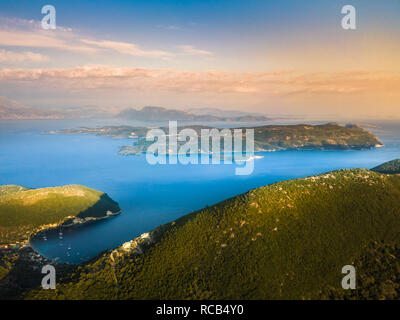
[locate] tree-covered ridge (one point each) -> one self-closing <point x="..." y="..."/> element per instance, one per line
<point x="379" y="276"/>
<point x="288" y="240"/>
<point x="390" y="167"/>
<point x="325" y="136"/>
<point x="26" y="211"/>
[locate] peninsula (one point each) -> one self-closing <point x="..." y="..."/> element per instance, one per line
<point x="26" y="212"/>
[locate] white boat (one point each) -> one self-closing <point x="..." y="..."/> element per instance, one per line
<point x="249" y="159"/>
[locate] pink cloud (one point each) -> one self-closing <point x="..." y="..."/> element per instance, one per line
<point x="126" y="48"/>
<point x="263" y="83"/>
<point x="20" y="57"/>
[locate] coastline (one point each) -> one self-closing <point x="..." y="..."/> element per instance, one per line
<point x="27" y="244"/>
<point x="76" y="222"/>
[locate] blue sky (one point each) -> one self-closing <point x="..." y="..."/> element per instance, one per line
<point x="237" y="40"/>
<point x="243" y="32"/>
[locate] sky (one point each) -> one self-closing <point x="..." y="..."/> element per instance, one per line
<point x="275" y="57"/>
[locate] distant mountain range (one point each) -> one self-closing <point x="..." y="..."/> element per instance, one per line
<point x="199" y="115"/>
<point x="11" y="109"/>
<point x="222" y="113"/>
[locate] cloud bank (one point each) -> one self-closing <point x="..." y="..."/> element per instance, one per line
<point x="284" y="82"/>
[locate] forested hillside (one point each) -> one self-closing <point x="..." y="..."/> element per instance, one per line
<point x="390" y="167"/>
<point x="288" y="240"/>
<point x="25" y="211"/>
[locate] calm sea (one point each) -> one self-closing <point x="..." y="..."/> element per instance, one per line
<point x="148" y="195"/>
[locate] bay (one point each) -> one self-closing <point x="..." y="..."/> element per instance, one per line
<point x="148" y="195"/>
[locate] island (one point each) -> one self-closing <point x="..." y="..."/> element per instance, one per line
<point x="287" y="240"/>
<point x="330" y="136"/>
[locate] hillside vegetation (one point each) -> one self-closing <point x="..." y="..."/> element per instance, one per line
<point x="390" y="167"/>
<point x="379" y="276"/>
<point x="302" y="136"/>
<point x="10" y="189"/>
<point x="25" y="211"/>
<point x="288" y="240"/>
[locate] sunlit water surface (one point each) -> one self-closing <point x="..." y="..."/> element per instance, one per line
<point x="148" y="195"/>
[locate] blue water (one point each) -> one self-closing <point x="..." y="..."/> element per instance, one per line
<point x="148" y="195"/>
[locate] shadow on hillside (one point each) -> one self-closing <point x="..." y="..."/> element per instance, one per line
<point x="25" y="274"/>
<point x="100" y="208"/>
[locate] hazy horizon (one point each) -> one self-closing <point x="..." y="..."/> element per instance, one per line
<point x="258" y="57"/>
